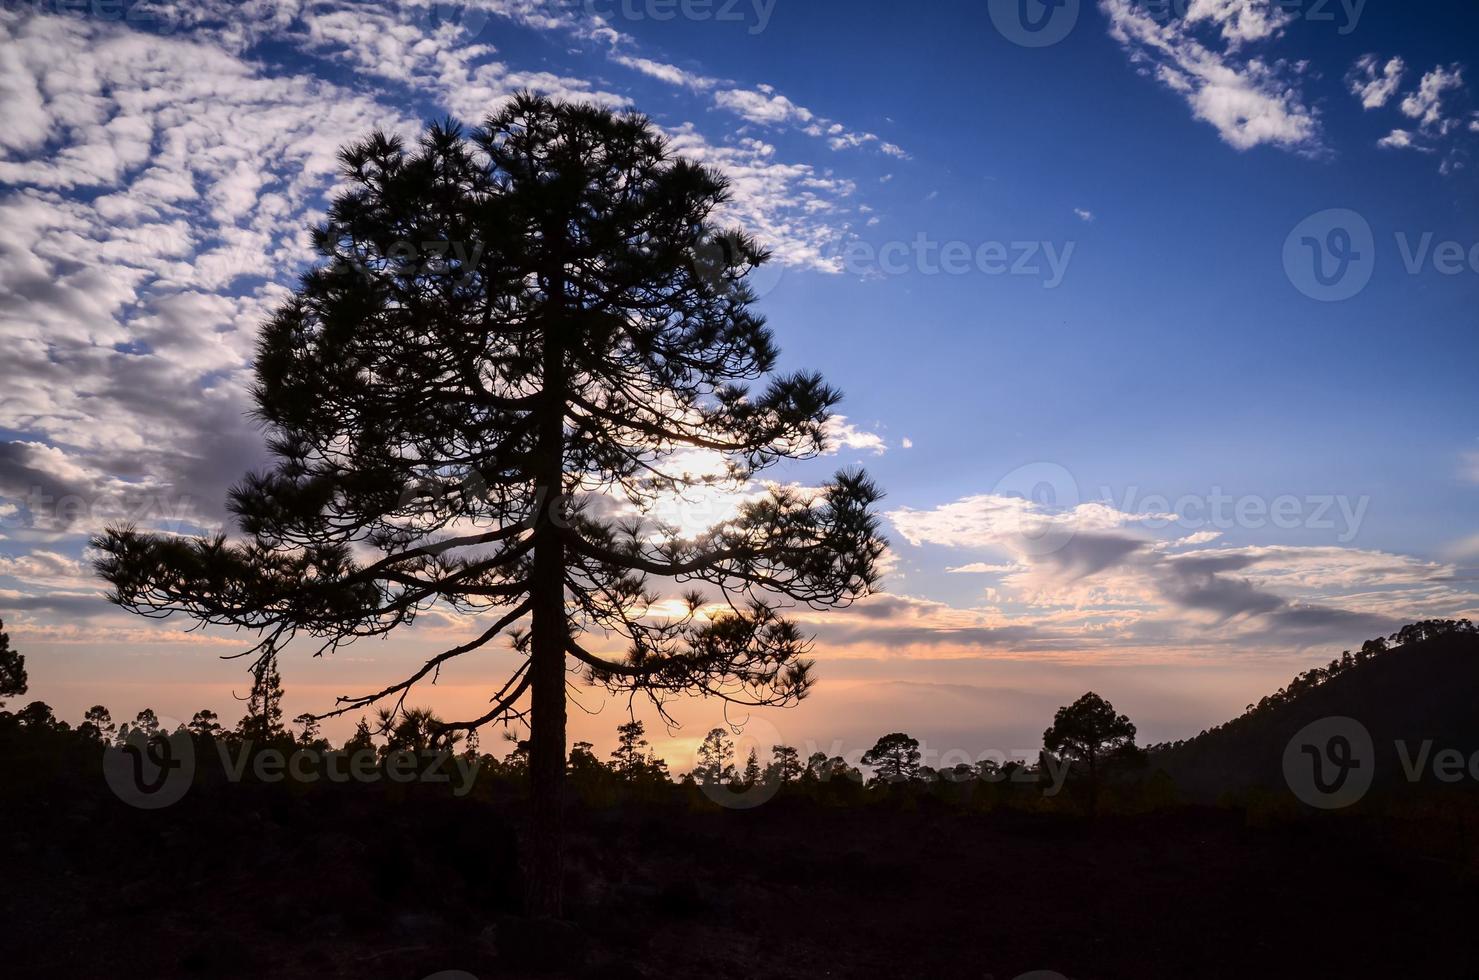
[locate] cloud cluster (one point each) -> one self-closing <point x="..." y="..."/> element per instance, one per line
<point x="1070" y="570"/>
<point x="158" y="180"/>
<point x="1203" y="57"/>
<point x="1434" y="108"/>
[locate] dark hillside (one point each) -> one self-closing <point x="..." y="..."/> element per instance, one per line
<point x="1425" y="690"/>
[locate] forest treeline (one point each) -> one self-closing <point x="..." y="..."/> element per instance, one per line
<point x="1089" y="759"/>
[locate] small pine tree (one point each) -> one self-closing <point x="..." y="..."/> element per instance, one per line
<point x="1089" y="731"/>
<point x="361" y="740"/>
<point x="785" y="762"/>
<point x="715" y="758"/>
<point x="147" y="721"/>
<point x="97" y="723"/>
<point x="894" y="758"/>
<point x="205" y="724"/>
<point x="630" y="759"/>
<point x="263" y="719"/>
<point x="308" y="733"/>
<point x="751" y="774"/>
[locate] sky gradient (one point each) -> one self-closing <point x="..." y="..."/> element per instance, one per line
<point x="1157" y="324"/>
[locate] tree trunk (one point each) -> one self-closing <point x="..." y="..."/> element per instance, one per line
<point x="545" y="858"/>
<point x="550" y="630"/>
<point x="1093" y="784"/>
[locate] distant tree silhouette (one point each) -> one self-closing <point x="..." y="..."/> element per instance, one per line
<point x="894" y="758"/>
<point x="13" y="679"/>
<point x="308" y="729"/>
<point x="362" y="739"/>
<point x="583" y="761"/>
<point x="263" y="720"/>
<point x="205" y="723"/>
<point x="1088" y="731"/>
<point x="414" y="730"/>
<point x="751" y="774"/>
<point x="629" y="756"/>
<point x="97" y="724"/>
<point x="505" y="319"/>
<point x="785" y="763"/>
<point x="633" y="760"/>
<point x="715" y="758"/>
<point x="37" y="715"/>
<point x="146" y="723"/>
<point x="821" y="769"/>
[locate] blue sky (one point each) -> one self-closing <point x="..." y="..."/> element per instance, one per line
<point x="1081" y="272"/>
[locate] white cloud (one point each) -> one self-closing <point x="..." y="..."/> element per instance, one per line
<point x="1469" y="467"/>
<point x="1426" y="103"/>
<point x="1084" y="214"/>
<point x="661" y="71"/>
<point x="1398" y="139"/>
<point x="842" y="434"/>
<point x="1373" y="83"/>
<point x="1240" y="21"/>
<point x="1250" y="102"/>
<point x="994" y="521"/>
<point x="763" y="105"/>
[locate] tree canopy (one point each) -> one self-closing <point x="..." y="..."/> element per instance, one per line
<point x="1088" y="731"/>
<point x="894" y="758"/>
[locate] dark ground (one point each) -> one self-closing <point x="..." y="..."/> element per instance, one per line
<point x="273" y="881"/>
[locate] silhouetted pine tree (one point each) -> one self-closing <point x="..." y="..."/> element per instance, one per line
<point x="1088" y="731"/>
<point x="506" y="319"/>
<point x="263" y="720"/>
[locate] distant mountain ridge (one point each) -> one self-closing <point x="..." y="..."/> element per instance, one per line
<point x="1419" y="686"/>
